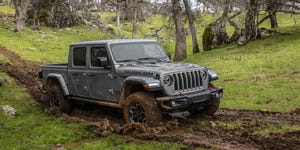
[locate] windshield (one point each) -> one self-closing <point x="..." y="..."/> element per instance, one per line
<point x="138" y="51"/>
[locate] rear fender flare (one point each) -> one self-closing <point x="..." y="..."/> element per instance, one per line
<point x="61" y="81"/>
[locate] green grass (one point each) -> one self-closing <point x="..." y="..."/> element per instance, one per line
<point x="7" y="9"/>
<point x="115" y="142"/>
<point x="274" y="59"/>
<point x="31" y="128"/>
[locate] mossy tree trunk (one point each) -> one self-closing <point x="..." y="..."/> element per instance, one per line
<point x="250" y="22"/>
<point x="21" y="8"/>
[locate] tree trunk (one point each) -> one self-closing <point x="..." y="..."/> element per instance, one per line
<point x="21" y="8"/>
<point x="134" y="19"/>
<point x="273" y="20"/>
<point x="250" y="22"/>
<point x="272" y="6"/>
<point x="190" y="16"/>
<point x="118" y="14"/>
<point x="180" y="49"/>
<point x="222" y="36"/>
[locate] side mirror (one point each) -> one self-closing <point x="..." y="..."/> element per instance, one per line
<point x="169" y="55"/>
<point x="103" y="62"/>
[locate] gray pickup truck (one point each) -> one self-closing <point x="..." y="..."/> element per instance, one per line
<point x="134" y="75"/>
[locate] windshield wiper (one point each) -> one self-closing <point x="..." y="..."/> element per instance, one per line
<point x="128" y="60"/>
<point x="153" y="58"/>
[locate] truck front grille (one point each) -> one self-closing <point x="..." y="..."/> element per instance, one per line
<point x="187" y="81"/>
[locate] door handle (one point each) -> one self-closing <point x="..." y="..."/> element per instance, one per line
<point x="91" y="74"/>
<point x="75" y="73"/>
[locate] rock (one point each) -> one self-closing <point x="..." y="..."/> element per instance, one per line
<point x="212" y="124"/>
<point x="264" y="34"/>
<point x="106" y="133"/>
<point x="10" y="111"/>
<point x="104" y="124"/>
<point x="242" y="40"/>
<point x="44" y="36"/>
<point x="8" y="80"/>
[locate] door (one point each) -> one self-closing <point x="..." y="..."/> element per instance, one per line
<point x="100" y="80"/>
<point x="77" y="72"/>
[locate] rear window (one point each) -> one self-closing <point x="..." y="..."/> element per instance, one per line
<point x="79" y="56"/>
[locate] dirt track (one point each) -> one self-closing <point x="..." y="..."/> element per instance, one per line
<point x="211" y="135"/>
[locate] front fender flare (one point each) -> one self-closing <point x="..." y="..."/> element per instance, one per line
<point x="140" y="80"/>
<point x="144" y="80"/>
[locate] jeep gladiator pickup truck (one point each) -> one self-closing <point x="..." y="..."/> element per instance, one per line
<point x="134" y="75"/>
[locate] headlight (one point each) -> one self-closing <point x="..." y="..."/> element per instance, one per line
<point x="204" y="74"/>
<point x="212" y="75"/>
<point x="168" y="80"/>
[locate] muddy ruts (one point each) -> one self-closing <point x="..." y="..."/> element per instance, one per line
<point x="26" y="78"/>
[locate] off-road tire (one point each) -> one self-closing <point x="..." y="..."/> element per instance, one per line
<point x="152" y="111"/>
<point x="64" y="104"/>
<point x="212" y="107"/>
<point x="208" y="110"/>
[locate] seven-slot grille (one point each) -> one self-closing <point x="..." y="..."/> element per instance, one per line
<point x="190" y="80"/>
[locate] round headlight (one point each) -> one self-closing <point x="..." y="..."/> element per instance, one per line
<point x="168" y="80"/>
<point x="204" y="74"/>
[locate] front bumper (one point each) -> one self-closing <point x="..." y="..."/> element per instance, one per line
<point x="189" y="101"/>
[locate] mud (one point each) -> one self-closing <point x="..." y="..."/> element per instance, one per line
<point x="24" y="72"/>
<point x="190" y="132"/>
<point x="292" y="117"/>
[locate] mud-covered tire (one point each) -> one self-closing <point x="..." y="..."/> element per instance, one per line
<point x="58" y="101"/>
<point x="152" y="112"/>
<point x="209" y="110"/>
<point x="212" y="107"/>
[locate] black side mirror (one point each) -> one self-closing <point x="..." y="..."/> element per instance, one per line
<point x="169" y="55"/>
<point x="103" y="62"/>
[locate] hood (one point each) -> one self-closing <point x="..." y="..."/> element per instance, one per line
<point x="148" y="69"/>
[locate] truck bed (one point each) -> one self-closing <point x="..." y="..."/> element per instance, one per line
<point x="60" y="68"/>
<point x="60" y="65"/>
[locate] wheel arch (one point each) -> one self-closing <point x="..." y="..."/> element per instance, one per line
<point x="134" y="84"/>
<point x="52" y="79"/>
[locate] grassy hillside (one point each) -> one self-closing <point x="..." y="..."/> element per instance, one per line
<point x="31" y="128"/>
<point x="262" y="75"/>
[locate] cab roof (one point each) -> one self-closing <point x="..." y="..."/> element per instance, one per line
<point x="97" y="42"/>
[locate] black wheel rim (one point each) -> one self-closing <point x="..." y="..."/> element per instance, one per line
<point x="137" y="114"/>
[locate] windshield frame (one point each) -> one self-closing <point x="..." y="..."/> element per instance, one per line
<point x="165" y="57"/>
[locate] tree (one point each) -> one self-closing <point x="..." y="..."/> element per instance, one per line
<point x="180" y="48"/>
<point x="134" y="18"/>
<point x="118" y="13"/>
<point x="272" y="10"/>
<point x="190" y="17"/>
<point x="250" y="21"/>
<point x="215" y="34"/>
<point x="21" y="8"/>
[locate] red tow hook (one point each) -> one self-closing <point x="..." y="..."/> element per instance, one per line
<point x="210" y="87"/>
